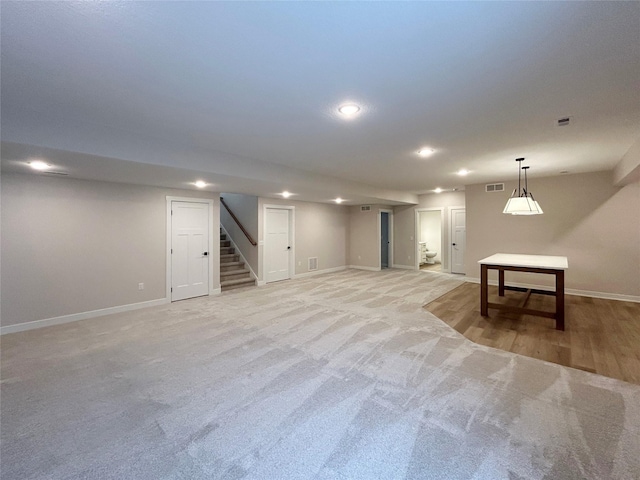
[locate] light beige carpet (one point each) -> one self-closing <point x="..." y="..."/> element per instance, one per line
<point x="338" y="376"/>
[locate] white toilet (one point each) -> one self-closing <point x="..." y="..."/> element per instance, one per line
<point x="426" y="256"/>
<point x="430" y="257"/>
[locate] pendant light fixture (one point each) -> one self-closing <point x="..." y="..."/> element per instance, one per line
<point x="522" y="201"/>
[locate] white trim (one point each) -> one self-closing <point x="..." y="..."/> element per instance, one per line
<point x="292" y="237"/>
<point x="319" y="272"/>
<point x="390" y="247"/>
<point x="239" y="253"/>
<point x="451" y="236"/>
<point x="404" y="267"/>
<point x="74" y="317"/>
<point x="210" y="202"/>
<point x="360" y="267"/>
<point x="417" y="235"/>
<point x="567" y="291"/>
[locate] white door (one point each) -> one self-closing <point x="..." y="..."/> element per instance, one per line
<point x="189" y="250"/>
<point x="277" y="244"/>
<point x="458" y="239"/>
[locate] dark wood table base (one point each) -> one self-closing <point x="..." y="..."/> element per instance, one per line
<point x="485" y="305"/>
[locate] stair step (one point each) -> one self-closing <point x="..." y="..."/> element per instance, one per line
<point x="229" y="257"/>
<point x="231" y="284"/>
<point x="234" y="272"/>
<point x="226" y="250"/>
<point x="234" y="275"/>
<point x="225" y="243"/>
<point x="223" y="237"/>
<point x="226" y="266"/>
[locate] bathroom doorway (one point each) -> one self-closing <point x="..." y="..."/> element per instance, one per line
<point x="430" y="240"/>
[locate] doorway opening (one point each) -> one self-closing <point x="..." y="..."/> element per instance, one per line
<point x="189" y="248"/>
<point x="279" y="256"/>
<point x="458" y="238"/>
<point x="430" y="229"/>
<point x="385" y="235"/>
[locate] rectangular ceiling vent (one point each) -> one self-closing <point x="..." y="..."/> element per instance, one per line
<point x="313" y="263"/>
<point x="58" y="174"/>
<point x="365" y="208"/>
<point x="564" y="121"/>
<point x="494" y="187"/>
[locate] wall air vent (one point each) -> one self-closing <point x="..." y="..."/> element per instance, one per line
<point x="365" y="208"/>
<point x="312" y="263"/>
<point x="564" y="121"/>
<point x="57" y="174"/>
<point x="494" y="187"/>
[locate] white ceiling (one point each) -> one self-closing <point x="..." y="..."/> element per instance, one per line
<point x="225" y="90"/>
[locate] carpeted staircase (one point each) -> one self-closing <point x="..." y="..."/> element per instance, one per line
<point x="233" y="272"/>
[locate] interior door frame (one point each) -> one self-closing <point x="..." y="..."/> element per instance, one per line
<point x="292" y="239"/>
<point x="208" y="201"/>
<point x="417" y="232"/>
<point x="390" y="259"/>
<point x="452" y="236"/>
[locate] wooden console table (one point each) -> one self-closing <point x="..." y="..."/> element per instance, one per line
<point x="523" y="263"/>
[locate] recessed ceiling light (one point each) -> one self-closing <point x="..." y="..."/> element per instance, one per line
<point x="39" y="165"/>
<point x="463" y="171"/>
<point x="338" y="200"/>
<point x="425" y="151"/>
<point x="438" y="190"/>
<point x="349" y="109"/>
<point x="200" y="184"/>
<point x="286" y="194"/>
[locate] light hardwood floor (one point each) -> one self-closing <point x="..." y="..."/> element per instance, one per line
<point x="431" y="267"/>
<point x="601" y="336"/>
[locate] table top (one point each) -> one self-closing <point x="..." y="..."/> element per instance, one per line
<point x="521" y="260"/>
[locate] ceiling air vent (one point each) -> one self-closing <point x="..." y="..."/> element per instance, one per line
<point x="564" y="121"/>
<point x="365" y="208"/>
<point x="494" y="187"/>
<point x="313" y="263"/>
<point x="57" y="174"/>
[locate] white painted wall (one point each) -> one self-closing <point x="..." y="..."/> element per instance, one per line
<point x="321" y="230"/>
<point x="364" y="246"/>
<point x="628" y="168"/>
<point x="586" y="218"/>
<point x="431" y="232"/>
<point x="405" y="248"/>
<point x="73" y="246"/>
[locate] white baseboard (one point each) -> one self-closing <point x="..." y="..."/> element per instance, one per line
<point x="404" y="267"/>
<point x="360" y="267"/>
<point x="320" y="272"/>
<point x="216" y="291"/>
<point x="261" y="283"/>
<point x="74" y="317"/>
<point x="568" y="291"/>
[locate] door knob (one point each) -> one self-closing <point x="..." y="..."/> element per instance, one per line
<point x="206" y="253"/>
<point x="453" y="244"/>
<point x="288" y="248"/>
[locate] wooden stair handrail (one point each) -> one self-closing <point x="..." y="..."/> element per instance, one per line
<point x="246" y="234"/>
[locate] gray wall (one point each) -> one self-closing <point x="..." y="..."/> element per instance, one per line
<point x="321" y="230"/>
<point x="405" y="225"/>
<point x="73" y="246"/>
<point x="586" y="218"/>
<point x="245" y="208"/>
<point x="364" y="248"/>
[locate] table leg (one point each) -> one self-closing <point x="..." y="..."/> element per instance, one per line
<point x="501" y="282"/>
<point x="560" y="300"/>
<point x="484" y="291"/>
